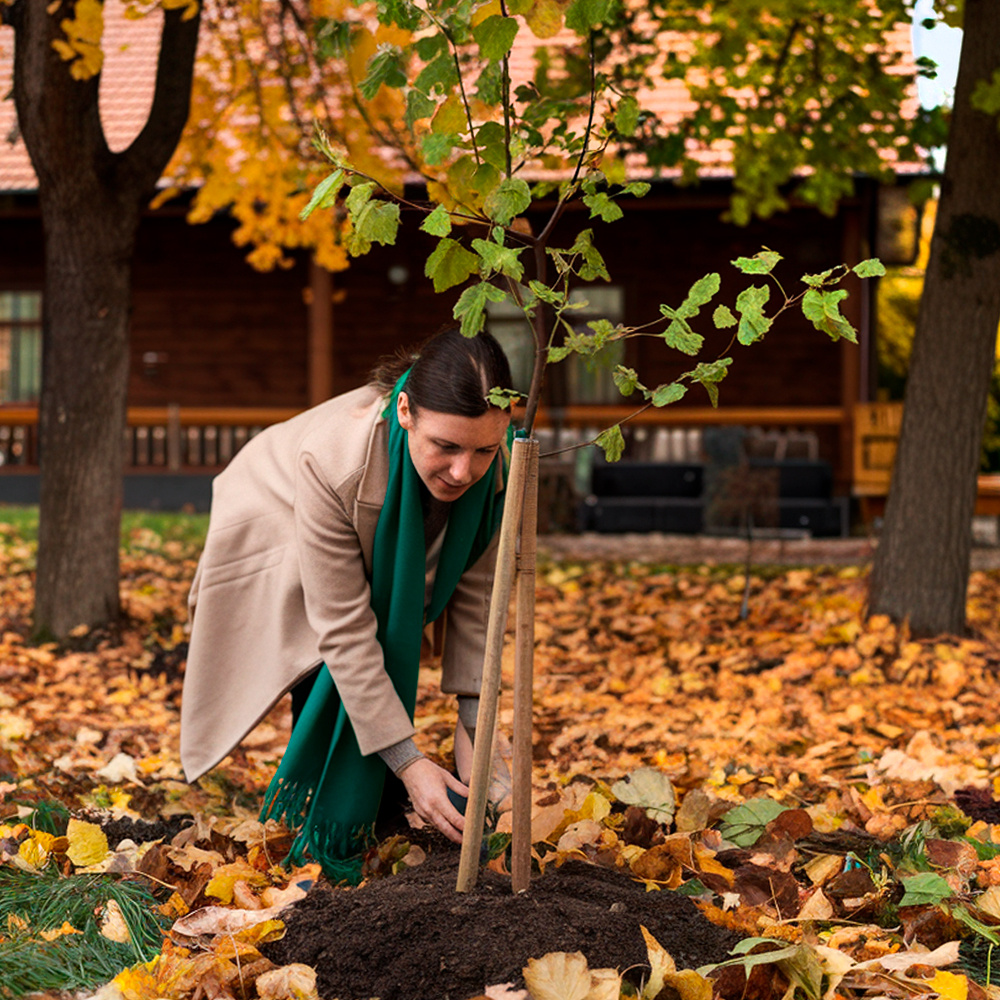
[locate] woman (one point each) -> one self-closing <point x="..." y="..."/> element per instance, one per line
<point x="333" y="538"/>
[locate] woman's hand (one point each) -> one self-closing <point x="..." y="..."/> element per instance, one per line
<point x="427" y="785"/>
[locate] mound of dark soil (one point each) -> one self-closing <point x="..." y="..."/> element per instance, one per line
<point x="412" y="937"/>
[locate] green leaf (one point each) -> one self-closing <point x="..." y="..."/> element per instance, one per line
<point x="638" y="189"/>
<point x="378" y="222"/>
<point x="744" y="825"/>
<point x="508" y="200"/>
<point x="700" y="294"/>
<point x="498" y="258"/>
<point x="400" y="12"/>
<point x="437" y="146"/>
<point x="439" y="73"/>
<point x="723" y="318"/>
<point x="648" y="789"/>
<point x="593" y="266"/>
<point x="871" y="268"/>
<point x="822" y="309"/>
<point x="818" y="280"/>
<point x="627" y="380"/>
<point x="681" y="337"/>
<point x="438" y="223"/>
<point x="557" y="354"/>
<point x="470" y="309"/>
<point x="358" y="197"/>
<point x="552" y="296"/>
<point x="385" y="67"/>
<point x="495" y="36"/>
<point x="603" y="330"/>
<point x="709" y="374"/>
<point x="612" y="443"/>
<point x="418" y="106"/>
<point x="759" y="263"/>
<point x="450" y="264"/>
<point x="586" y="14"/>
<point x="503" y="398"/>
<point x="750" y="305"/>
<point x="926" y="888"/>
<point x="664" y="395"/>
<point x="601" y="206"/>
<point x="627" y="116"/>
<point x="325" y="194"/>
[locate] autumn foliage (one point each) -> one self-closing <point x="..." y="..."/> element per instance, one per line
<point x="807" y="777"/>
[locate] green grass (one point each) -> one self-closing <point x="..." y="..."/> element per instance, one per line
<point x="31" y="903"/>
<point x="141" y="530"/>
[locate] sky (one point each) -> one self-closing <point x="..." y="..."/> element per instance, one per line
<point x="942" y="44"/>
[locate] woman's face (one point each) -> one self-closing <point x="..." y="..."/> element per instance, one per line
<point x="449" y="452"/>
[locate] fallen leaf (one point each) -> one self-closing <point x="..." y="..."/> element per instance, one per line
<point x="559" y="975"/>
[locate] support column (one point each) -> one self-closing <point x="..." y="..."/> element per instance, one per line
<point x="319" y="359"/>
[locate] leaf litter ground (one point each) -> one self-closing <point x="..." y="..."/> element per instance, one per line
<point x="863" y="766"/>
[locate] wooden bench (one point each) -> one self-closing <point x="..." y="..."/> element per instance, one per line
<point x="876" y="437"/>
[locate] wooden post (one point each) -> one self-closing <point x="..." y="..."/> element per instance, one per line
<point x="524" y="664"/>
<point x="320" y="355"/>
<point x="489" y="696"/>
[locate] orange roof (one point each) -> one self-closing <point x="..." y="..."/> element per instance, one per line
<point x="128" y="75"/>
<point x="126" y="94"/>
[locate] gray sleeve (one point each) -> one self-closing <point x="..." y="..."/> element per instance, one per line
<point x="399" y="755"/>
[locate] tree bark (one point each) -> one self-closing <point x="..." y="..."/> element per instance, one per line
<point x="91" y="201"/>
<point x="921" y="567"/>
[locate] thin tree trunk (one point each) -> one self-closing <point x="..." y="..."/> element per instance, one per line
<point x="91" y="200"/>
<point x="921" y="568"/>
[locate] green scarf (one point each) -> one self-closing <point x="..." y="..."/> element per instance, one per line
<point x="324" y="786"/>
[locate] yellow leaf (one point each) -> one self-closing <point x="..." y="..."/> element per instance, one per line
<point x="87" y="843"/>
<point x="33" y="852"/>
<point x="450" y="116"/>
<point x="605" y="984"/>
<point x="661" y="965"/>
<point x="58" y="932"/>
<point x="558" y="975"/>
<point x="113" y="925"/>
<point x="950" y="985"/>
<point x="545" y="19"/>
<point x="289" y="982"/>
<point x="689" y="984"/>
<point x="225" y="878"/>
<point x="485" y="10"/>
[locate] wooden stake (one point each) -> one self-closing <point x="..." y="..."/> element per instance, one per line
<point x="489" y="696"/>
<point x="524" y="668"/>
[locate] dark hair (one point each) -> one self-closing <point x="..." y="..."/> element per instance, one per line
<point x="449" y="373"/>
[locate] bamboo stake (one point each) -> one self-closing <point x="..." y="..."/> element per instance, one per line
<point x="489" y="696"/>
<point x="524" y="667"/>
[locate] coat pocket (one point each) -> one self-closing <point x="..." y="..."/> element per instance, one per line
<point x="214" y="574"/>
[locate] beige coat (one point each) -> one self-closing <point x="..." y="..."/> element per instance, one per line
<point x="282" y="585"/>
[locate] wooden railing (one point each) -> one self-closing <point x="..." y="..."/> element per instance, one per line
<point x="193" y="438"/>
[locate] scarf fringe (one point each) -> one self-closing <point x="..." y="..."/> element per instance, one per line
<point x="287" y="800"/>
<point x="337" y="848"/>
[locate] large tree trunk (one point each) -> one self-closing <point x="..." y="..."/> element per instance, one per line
<point x="82" y="413"/>
<point x="921" y="567"/>
<point x="91" y="201"/>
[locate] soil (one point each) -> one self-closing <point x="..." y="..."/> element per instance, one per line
<point x="412" y="937"/>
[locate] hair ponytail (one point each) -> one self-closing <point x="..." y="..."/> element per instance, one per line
<point x="449" y="373"/>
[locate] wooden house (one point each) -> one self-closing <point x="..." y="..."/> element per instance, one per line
<point x="219" y="350"/>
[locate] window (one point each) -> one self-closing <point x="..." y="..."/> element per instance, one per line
<point x="20" y="346"/>
<point x="589" y="379"/>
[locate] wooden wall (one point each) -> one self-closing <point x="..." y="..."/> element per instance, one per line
<point x="207" y="329"/>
